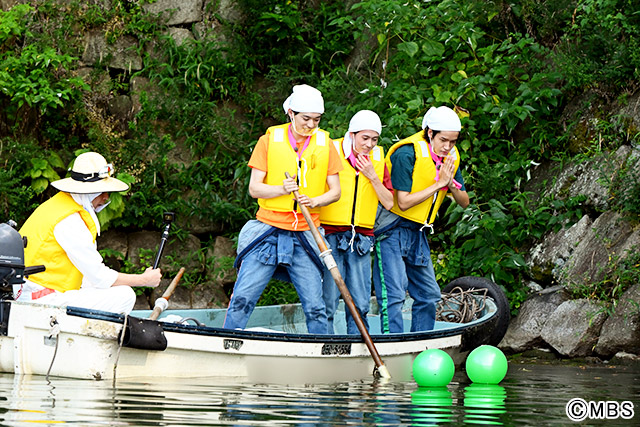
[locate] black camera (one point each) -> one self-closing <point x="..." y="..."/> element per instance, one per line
<point x="168" y="217"/>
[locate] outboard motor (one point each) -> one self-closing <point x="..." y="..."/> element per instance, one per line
<point x="12" y="269"/>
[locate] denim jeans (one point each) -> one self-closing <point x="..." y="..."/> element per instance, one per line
<point x="355" y="267"/>
<point x="403" y="263"/>
<point x="280" y="249"/>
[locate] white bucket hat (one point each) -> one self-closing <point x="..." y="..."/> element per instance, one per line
<point x="304" y="99"/>
<point x="441" y="119"/>
<point x="90" y="174"/>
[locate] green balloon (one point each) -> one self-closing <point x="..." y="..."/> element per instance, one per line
<point x="486" y="365"/>
<point x="433" y="368"/>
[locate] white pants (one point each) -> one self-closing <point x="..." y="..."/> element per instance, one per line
<point x="116" y="299"/>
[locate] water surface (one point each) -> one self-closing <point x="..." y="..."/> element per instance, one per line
<point x="531" y="394"/>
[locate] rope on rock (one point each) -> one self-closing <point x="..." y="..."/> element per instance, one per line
<point x="461" y="306"/>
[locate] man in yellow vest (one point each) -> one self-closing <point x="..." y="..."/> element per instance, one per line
<point x="61" y="235"/>
<point x="424" y="169"/>
<point x="279" y="242"/>
<point x="348" y="223"/>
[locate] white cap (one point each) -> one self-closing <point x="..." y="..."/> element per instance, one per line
<point x="362" y="120"/>
<point x="365" y="120"/>
<point x="304" y="99"/>
<point x="442" y="119"/>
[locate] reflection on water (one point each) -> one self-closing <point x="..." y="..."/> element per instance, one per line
<point x="529" y="395"/>
<point x="431" y="405"/>
<point x="483" y="403"/>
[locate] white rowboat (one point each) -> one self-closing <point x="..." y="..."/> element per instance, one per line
<point x="87" y="344"/>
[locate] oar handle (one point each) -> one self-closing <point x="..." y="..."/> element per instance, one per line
<point x="328" y="260"/>
<point x="159" y="307"/>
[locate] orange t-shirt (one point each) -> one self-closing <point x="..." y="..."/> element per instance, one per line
<point x="288" y="220"/>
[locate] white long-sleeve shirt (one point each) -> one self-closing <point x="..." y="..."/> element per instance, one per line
<point x="75" y="238"/>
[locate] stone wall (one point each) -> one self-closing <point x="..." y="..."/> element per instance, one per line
<point x="101" y="59"/>
<point x="185" y="20"/>
<point x="580" y="255"/>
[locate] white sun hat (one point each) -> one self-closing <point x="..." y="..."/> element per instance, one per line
<point x="90" y="174"/>
<point x="304" y="99"/>
<point x="441" y="119"/>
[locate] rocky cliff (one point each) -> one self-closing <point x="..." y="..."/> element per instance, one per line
<point x="580" y="257"/>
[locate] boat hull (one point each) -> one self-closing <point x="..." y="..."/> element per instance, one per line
<point x="86" y="344"/>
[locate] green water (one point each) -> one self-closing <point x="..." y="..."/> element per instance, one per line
<point x="531" y="394"/>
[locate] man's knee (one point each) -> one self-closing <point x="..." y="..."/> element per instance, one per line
<point x="241" y="304"/>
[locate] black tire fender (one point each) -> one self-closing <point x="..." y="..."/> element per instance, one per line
<point x="496" y="293"/>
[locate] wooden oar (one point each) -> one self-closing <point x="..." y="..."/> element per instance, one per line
<point x="163" y="302"/>
<point x="328" y="260"/>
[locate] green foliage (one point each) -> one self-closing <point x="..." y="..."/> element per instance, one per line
<point x="199" y="70"/>
<point x="13" y="21"/>
<point x="486" y="239"/>
<point x="506" y="66"/>
<point x="196" y="266"/>
<point x="608" y="135"/>
<point x="42" y="172"/>
<point x="17" y="196"/>
<point x="447" y="53"/>
<point x="194" y="78"/>
<point x="11" y="193"/>
<point x="278" y="292"/>
<point x="34" y="76"/>
<point x="443" y="54"/>
<point x="146" y="257"/>
<point x="117" y="203"/>
<point x="601" y="45"/>
<point x="293" y="38"/>
<point x="113" y="256"/>
<point x="31" y="78"/>
<point x="546" y="19"/>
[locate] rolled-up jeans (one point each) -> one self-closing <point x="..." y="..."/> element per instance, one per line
<point x="354" y="265"/>
<point x="258" y="266"/>
<point x="402" y="263"/>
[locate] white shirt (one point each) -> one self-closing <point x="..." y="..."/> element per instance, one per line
<point x="75" y="238"/>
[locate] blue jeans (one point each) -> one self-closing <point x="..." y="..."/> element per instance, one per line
<point x="403" y="263"/>
<point x="355" y="268"/>
<point x="281" y="249"/>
